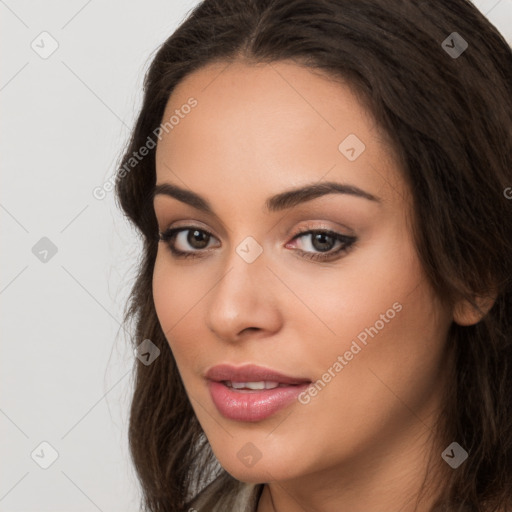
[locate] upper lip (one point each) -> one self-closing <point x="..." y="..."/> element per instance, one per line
<point x="250" y="373"/>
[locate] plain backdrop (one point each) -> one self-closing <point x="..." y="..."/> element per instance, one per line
<point x="67" y="258"/>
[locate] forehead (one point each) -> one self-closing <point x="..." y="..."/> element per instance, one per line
<point x="279" y="122"/>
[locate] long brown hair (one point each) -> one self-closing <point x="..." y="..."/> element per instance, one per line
<point x="447" y="110"/>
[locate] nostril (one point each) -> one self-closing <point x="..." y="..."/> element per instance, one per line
<point x="251" y="329"/>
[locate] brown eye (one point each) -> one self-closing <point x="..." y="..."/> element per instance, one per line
<point x="324" y="241"/>
<point x="182" y="245"/>
<point x="197" y="238"/>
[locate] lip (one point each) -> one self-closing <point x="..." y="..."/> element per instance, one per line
<point x="251" y="373"/>
<point x="252" y="405"/>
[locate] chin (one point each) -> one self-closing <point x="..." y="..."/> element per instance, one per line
<point x="267" y="469"/>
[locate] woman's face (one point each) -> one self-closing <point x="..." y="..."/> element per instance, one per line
<point x="361" y="324"/>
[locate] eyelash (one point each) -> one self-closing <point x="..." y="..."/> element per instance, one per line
<point x="347" y="241"/>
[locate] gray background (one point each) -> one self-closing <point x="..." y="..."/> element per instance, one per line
<point x="65" y="366"/>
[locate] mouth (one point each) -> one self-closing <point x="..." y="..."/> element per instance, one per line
<point x="250" y="392"/>
<point x="255" y="386"/>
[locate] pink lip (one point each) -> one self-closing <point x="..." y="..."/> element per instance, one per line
<point x="250" y="373"/>
<point x="251" y="405"/>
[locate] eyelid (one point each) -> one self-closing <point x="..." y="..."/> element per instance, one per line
<point x="322" y="226"/>
<point x="195" y="224"/>
<point x="303" y="229"/>
<point x="170" y="218"/>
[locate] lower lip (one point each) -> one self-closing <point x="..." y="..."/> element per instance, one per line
<point x="252" y="405"/>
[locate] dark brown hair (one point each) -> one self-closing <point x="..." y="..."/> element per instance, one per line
<point x="449" y="120"/>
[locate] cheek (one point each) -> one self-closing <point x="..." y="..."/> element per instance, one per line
<point x="332" y="306"/>
<point x="391" y="364"/>
<point x="382" y="317"/>
<point x="176" y="297"/>
<point x="360" y="402"/>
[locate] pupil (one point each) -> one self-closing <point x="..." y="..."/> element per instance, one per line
<point x="196" y="234"/>
<point x="319" y="237"/>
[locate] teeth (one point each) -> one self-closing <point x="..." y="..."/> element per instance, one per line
<point x="252" y="385"/>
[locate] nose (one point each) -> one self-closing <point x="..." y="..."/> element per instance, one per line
<point x="244" y="300"/>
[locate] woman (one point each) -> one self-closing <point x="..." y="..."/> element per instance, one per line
<point x="323" y="192"/>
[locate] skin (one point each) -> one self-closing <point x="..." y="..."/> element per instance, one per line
<point x="361" y="444"/>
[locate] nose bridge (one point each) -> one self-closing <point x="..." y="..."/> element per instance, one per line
<point x="245" y="265"/>
<point x="243" y="295"/>
<point x="244" y="275"/>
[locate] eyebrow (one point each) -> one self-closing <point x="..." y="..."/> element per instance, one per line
<point x="278" y="202"/>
